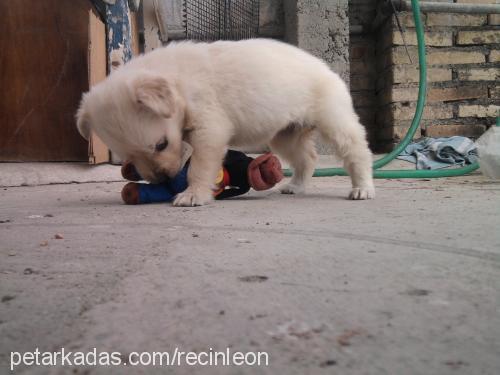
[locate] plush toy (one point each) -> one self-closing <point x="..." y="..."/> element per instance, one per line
<point x="238" y="174"/>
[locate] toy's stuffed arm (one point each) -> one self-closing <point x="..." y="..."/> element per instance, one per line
<point x="264" y="172"/>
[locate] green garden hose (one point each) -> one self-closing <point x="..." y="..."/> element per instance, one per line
<point x="422" y="89"/>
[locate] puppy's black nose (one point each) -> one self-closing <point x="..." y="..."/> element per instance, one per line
<point x="159" y="180"/>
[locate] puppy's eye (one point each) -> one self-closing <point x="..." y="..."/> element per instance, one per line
<point x="161" y="146"/>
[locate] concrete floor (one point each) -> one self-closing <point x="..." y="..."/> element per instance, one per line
<point x="408" y="283"/>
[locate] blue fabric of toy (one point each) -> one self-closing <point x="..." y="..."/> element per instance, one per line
<point x="166" y="191"/>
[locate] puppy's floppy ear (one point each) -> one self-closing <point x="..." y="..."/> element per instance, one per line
<point x="83" y="121"/>
<point x="154" y="94"/>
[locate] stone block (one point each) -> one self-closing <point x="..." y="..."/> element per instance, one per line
<point x="480" y="111"/>
<point x="478" y="37"/>
<point x="479" y="74"/>
<point x="456" y="19"/>
<point x="437" y="57"/>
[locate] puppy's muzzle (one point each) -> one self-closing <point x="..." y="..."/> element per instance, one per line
<point x="162" y="175"/>
<point x="159" y="179"/>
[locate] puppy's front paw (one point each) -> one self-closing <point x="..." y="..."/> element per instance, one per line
<point x="361" y="193"/>
<point x="193" y="197"/>
<point x="292" y="189"/>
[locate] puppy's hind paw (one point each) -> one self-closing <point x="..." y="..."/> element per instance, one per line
<point x="193" y="197"/>
<point x="292" y="189"/>
<point x="361" y="193"/>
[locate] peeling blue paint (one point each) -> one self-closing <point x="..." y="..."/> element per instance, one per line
<point x="119" y="34"/>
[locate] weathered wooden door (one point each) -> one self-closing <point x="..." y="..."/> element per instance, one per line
<point x="43" y="71"/>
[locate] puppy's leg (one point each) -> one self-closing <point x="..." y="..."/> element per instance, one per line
<point x="339" y="124"/>
<point x="296" y="145"/>
<point x="209" y="149"/>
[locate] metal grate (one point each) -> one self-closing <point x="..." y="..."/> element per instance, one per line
<point x="221" y="19"/>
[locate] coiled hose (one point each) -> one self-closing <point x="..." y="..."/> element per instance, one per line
<point x="422" y="89"/>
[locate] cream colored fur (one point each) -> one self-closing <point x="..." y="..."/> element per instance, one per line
<point x="226" y="94"/>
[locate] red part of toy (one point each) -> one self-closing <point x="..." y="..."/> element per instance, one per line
<point x="129" y="172"/>
<point x="264" y="172"/>
<point x="130" y="193"/>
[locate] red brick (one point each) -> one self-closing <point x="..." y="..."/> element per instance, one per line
<point x="456" y="93"/>
<point x="444" y="130"/>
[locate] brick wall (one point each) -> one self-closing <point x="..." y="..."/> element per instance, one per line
<point x="463" y="59"/>
<point x="463" y="53"/>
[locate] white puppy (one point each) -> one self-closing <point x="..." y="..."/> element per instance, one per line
<point x="224" y="94"/>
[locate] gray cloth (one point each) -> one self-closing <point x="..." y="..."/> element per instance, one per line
<point x="435" y="153"/>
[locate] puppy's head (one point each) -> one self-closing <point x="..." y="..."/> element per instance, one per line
<point x="140" y="118"/>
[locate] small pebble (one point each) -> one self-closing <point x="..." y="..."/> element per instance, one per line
<point x="328" y="362"/>
<point x="243" y="240"/>
<point x="28" y="271"/>
<point x="44" y="243"/>
<point x="58" y="236"/>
